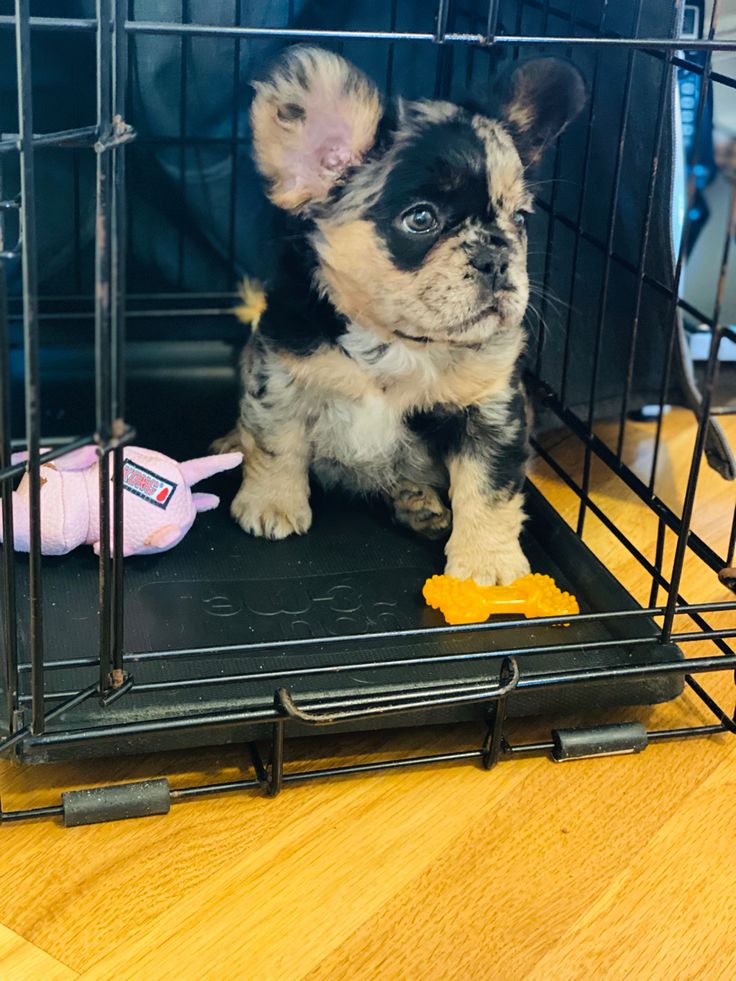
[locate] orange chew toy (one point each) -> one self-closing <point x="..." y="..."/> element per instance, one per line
<point x="464" y="601"/>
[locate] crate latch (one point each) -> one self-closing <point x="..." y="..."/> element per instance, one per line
<point x="409" y="700"/>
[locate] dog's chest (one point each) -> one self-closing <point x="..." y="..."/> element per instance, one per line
<point x="408" y="376"/>
<point x="357" y="432"/>
<point x="359" y="395"/>
<point x="366" y="444"/>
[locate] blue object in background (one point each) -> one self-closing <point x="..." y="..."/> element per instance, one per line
<point x="699" y="161"/>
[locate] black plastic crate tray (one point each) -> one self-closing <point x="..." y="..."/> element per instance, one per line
<point x="354" y="573"/>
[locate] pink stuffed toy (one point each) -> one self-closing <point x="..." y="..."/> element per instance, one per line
<point x="159" y="507"/>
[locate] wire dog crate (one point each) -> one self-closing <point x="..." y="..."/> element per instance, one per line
<point x="127" y="217"/>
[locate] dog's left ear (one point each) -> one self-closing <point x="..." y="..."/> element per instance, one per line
<point x="313" y="117"/>
<point x="544" y="96"/>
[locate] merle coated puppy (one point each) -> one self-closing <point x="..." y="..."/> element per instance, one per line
<point x="387" y="358"/>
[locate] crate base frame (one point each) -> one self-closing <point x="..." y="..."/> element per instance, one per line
<point x="271" y="777"/>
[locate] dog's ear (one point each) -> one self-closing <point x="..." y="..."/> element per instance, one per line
<point x="544" y="95"/>
<point x="314" y="116"/>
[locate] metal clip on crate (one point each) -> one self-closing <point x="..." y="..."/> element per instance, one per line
<point x="415" y="700"/>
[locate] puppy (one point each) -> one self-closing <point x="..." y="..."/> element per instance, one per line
<point x="387" y="358"/>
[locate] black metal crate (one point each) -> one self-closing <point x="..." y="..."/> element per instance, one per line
<point x="129" y="213"/>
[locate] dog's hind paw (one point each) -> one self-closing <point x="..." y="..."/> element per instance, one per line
<point x="231" y="442"/>
<point x="420" y="508"/>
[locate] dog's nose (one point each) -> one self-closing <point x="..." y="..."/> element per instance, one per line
<point x="493" y="264"/>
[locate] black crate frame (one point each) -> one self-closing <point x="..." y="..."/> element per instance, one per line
<point x="107" y="140"/>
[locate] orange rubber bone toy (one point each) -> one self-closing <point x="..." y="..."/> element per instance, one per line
<point x="464" y="601"/>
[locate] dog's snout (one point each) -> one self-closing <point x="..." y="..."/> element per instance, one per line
<point x="493" y="264"/>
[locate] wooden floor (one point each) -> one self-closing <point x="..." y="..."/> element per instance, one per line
<point x="617" y="868"/>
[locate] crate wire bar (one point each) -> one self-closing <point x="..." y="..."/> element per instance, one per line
<point x="32" y="700"/>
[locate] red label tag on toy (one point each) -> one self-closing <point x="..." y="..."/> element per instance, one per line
<point x="147" y="484"/>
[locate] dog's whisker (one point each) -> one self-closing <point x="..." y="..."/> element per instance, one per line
<point x="558" y="306"/>
<point x="547" y="292"/>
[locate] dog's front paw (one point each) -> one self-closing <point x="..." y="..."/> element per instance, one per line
<point x="498" y="568"/>
<point x="271" y="515"/>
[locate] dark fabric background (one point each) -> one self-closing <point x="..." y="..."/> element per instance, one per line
<point x="197" y="217"/>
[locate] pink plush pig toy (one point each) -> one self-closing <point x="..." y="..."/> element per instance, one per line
<point x="159" y="506"/>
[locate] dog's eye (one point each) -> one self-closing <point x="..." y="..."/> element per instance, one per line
<point x="519" y="218"/>
<point x="420" y="220"/>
